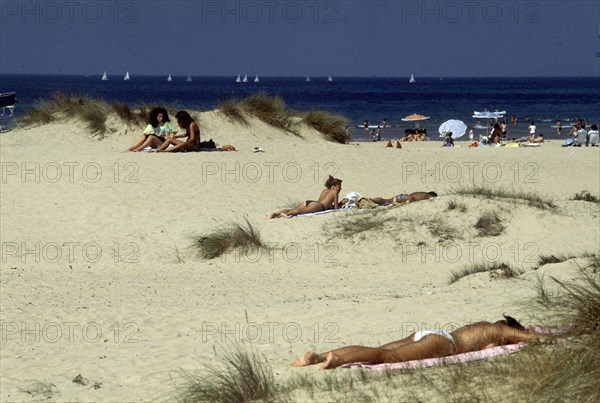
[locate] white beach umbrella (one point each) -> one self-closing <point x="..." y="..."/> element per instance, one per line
<point x="457" y="127"/>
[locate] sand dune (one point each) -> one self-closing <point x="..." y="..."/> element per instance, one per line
<point x="98" y="277"/>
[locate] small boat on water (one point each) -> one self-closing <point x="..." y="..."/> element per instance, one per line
<point x="245" y="79"/>
<point x="307" y="79"/>
<point x="412" y="79"/>
<point x="126" y="78"/>
<point x="189" y="78"/>
<point x="169" y="79"/>
<point x="238" y="79"/>
<point x="256" y="79"/>
<point x="104" y="76"/>
<point x="329" y="79"/>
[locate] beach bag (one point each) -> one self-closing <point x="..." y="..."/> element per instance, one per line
<point x="208" y="145"/>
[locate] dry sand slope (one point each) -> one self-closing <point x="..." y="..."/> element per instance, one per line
<point x="99" y="277"/>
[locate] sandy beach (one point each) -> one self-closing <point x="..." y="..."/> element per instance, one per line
<point x="99" y="277"/>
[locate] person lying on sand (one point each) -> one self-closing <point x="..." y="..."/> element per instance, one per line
<point x="328" y="199"/>
<point x="428" y="344"/>
<point x="400" y="198"/>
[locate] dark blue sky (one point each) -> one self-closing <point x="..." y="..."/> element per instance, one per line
<point x="298" y="38"/>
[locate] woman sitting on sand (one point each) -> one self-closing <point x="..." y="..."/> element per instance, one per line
<point x="428" y="344"/>
<point x="192" y="132"/>
<point x="156" y="132"/>
<point x="328" y="199"/>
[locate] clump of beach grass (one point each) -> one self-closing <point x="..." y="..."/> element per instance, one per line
<point x="563" y="257"/>
<point x="440" y="228"/>
<point x="233" y="110"/>
<point x="500" y="270"/>
<point x="585" y="195"/>
<point x="455" y="205"/>
<point x="529" y="198"/>
<point x="242" y="376"/>
<point x="270" y="110"/>
<point x="489" y="224"/>
<point x="332" y="127"/>
<point x="63" y="106"/>
<point x="243" y="237"/>
<point x="126" y="114"/>
<point x="39" y="389"/>
<point x="569" y="372"/>
<point x="357" y="223"/>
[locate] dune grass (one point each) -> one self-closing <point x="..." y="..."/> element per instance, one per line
<point x="233" y="111"/>
<point x="563" y="257"/>
<point x="333" y="127"/>
<point x="489" y="224"/>
<point x="243" y="237"/>
<point x="585" y="195"/>
<point x="497" y="270"/>
<point x="127" y="115"/>
<point x="439" y="228"/>
<point x="270" y="110"/>
<point x="38" y="389"/>
<point x="357" y="222"/>
<point x="453" y="204"/>
<point x="528" y="198"/>
<point x="62" y="106"/>
<point x="242" y="376"/>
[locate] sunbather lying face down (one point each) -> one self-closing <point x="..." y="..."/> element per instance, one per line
<point x="328" y="199"/>
<point x="400" y="198"/>
<point x="427" y="344"/>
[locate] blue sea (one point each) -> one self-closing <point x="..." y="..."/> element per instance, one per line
<point x="542" y="100"/>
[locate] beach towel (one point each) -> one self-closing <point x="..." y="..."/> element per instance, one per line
<point x="324" y="212"/>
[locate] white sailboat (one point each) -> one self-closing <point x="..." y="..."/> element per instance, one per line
<point x="169" y="79"/>
<point x="307" y="79"/>
<point x="126" y="78"/>
<point x="189" y="78"/>
<point x="256" y="79"/>
<point x="245" y="79"/>
<point x="238" y="79"/>
<point x="329" y="79"/>
<point x="412" y="79"/>
<point x="104" y="76"/>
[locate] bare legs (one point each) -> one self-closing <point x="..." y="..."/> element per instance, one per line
<point x="146" y="141"/>
<point x="302" y="208"/>
<point x="177" y="146"/>
<point x="430" y="346"/>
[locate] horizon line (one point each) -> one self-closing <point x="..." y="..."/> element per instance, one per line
<point x="286" y="76"/>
